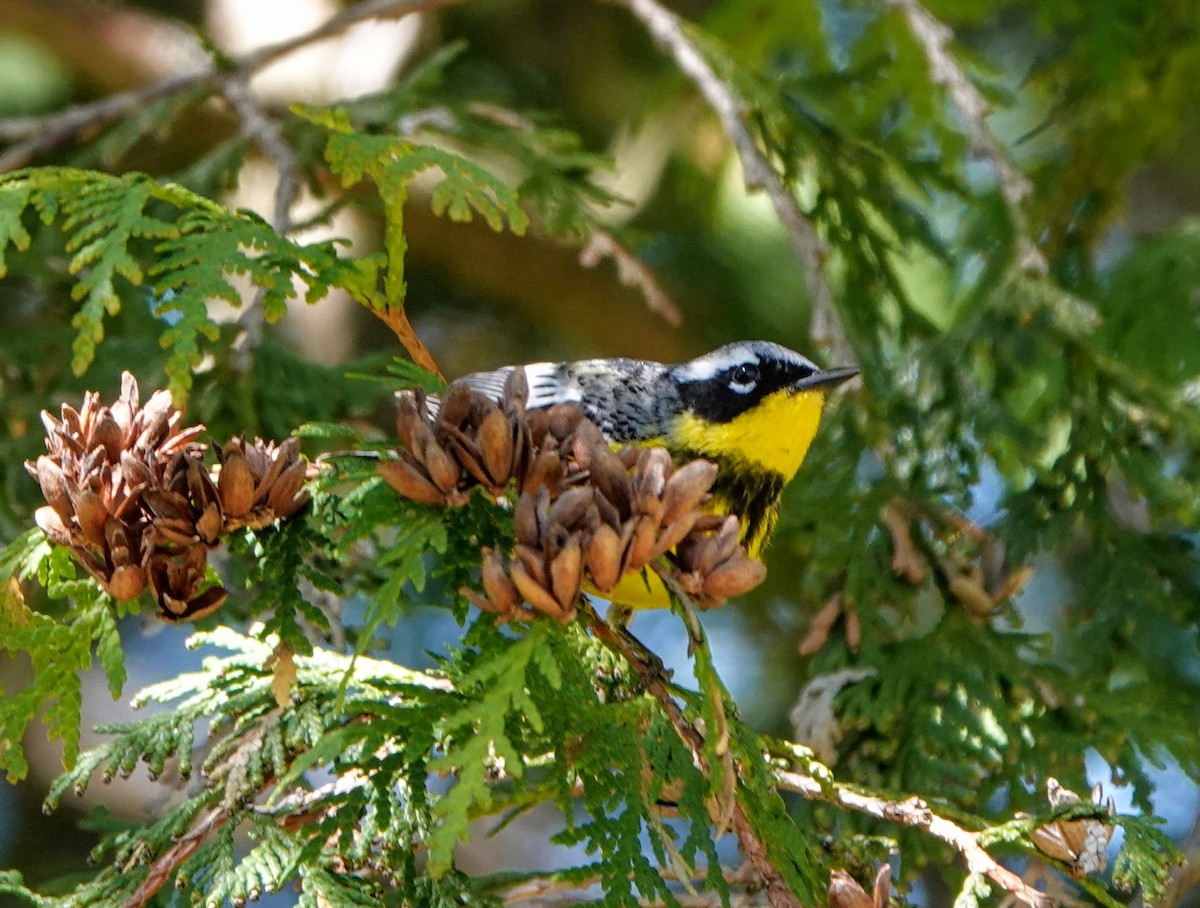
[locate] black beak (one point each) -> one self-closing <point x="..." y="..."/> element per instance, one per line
<point x="826" y="379"/>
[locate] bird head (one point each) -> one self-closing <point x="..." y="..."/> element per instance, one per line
<point x="753" y="400"/>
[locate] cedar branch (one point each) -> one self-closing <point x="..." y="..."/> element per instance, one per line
<point x="172" y="859"/>
<point x="397" y="319"/>
<point x="650" y="675"/>
<point x="915" y="812"/>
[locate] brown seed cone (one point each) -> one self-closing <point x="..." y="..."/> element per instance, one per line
<point x="584" y="511"/>
<point x="611" y="479"/>
<point x="285" y="496"/>
<point x="527" y="526"/>
<point x="175" y="577"/>
<point x="603" y="557"/>
<point x="710" y="565"/>
<point x="673" y="533"/>
<point x="410" y="417"/>
<point x="845" y="892"/>
<point x="127" y="582"/>
<point x="128" y="492"/>
<point x="653" y="465"/>
<point x="466" y="432"/>
<point x="406" y="477"/>
<point x="691" y="583"/>
<point x="733" y="577"/>
<point x="553" y="425"/>
<point x="534" y="563"/>
<point x="443" y="469"/>
<point x="640" y="548"/>
<point x="687" y="488"/>
<point x="235" y="485"/>
<point x="50" y="523"/>
<point x="547" y="471"/>
<point x="536" y="594"/>
<point x="197" y="607"/>
<point x="571" y="507"/>
<point x="495" y="439"/>
<point x="566" y="573"/>
<point x="466" y="453"/>
<point x="53" y="480"/>
<point x="501" y="591"/>
<point x="90" y="516"/>
<point x="274" y="474"/>
<point x="516" y="395"/>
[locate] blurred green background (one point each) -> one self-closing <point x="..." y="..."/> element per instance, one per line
<point x="1058" y="412"/>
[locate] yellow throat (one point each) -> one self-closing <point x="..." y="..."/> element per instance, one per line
<point x="774" y="436"/>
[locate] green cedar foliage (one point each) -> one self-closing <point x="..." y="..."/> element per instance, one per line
<point x="354" y="778"/>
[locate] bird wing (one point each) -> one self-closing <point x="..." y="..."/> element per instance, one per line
<point x="549" y="384"/>
<point x="489" y="384"/>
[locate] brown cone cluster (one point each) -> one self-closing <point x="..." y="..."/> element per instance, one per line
<point x="260" y="482"/>
<point x="128" y="492"/>
<point x="585" y="514"/>
<point x="472" y="441"/>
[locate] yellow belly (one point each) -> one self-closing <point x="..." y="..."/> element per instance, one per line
<point x="637" y="591"/>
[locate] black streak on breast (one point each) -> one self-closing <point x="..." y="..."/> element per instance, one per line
<point x="750" y="492"/>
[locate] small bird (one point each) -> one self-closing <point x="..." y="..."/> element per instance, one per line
<point x="752" y="407"/>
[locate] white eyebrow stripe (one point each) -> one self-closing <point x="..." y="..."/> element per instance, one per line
<point x="712" y="364"/>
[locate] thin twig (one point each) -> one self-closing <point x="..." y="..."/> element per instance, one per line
<point x="42" y="133"/>
<point x="397" y="319"/>
<point x="172" y="859"/>
<point x="718" y="733"/>
<point x="915" y="812"/>
<point x="631" y="271"/>
<point x="669" y="32"/>
<point x="934" y="36"/>
<point x="261" y="127"/>
<point x="264" y="130"/>
<point x="547" y="889"/>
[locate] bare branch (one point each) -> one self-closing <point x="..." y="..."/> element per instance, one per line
<point x="42" y="133"/>
<point x="258" y="125"/>
<point x="632" y="272"/>
<point x="668" y="31"/>
<point x="261" y="127"/>
<point x="934" y="36"/>
<point x="550" y="889"/>
<point x="915" y="812"/>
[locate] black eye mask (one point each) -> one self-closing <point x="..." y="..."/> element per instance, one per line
<point x="718" y="399"/>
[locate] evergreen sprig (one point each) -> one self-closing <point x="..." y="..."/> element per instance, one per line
<point x="132" y="231"/>
<point x="59" y="648"/>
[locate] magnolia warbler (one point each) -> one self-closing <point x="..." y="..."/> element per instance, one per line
<point x="752" y="407"/>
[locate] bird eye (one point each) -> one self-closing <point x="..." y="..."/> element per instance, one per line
<point x="744" y="376"/>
